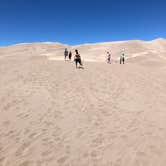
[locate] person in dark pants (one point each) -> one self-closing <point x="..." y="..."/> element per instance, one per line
<point x="122" y="58"/>
<point x="70" y="55"/>
<point x="77" y="59"/>
<point x="65" y="53"/>
<point x="108" y="57"/>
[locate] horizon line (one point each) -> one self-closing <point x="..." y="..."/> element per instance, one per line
<point x="56" y="42"/>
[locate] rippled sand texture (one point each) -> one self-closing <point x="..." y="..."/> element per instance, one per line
<point x="52" y="114"/>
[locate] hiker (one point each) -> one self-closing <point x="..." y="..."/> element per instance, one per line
<point x="70" y="55"/>
<point x="77" y="58"/>
<point x="108" y="57"/>
<point x="122" y="58"/>
<point x="66" y="53"/>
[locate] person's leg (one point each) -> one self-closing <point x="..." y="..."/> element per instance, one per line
<point x="80" y="62"/>
<point x="76" y="61"/>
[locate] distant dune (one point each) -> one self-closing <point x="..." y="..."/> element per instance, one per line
<point x="136" y="51"/>
<point x="52" y="114"/>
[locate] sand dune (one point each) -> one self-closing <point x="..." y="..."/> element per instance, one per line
<point x="104" y="115"/>
<point x="91" y="52"/>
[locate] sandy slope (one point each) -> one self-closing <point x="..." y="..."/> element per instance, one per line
<point x="104" y="115"/>
<point x="148" y="50"/>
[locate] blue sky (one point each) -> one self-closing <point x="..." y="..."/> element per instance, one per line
<point x="81" y="21"/>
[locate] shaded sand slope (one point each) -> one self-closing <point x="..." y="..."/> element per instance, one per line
<point x="105" y="115"/>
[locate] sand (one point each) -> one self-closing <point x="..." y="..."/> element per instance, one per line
<point x="105" y="115"/>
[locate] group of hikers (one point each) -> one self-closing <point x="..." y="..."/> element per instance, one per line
<point x="77" y="57"/>
<point x="122" y="58"/>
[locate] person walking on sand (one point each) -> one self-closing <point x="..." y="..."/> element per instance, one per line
<point x="70" y="55"/>
<point x="66" y="53"/>
<point x="122" y="58"/>
<point x="108" y="57"/>
<point x="77" y="58"/>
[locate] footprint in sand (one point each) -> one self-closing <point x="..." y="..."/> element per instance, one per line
<point x="7" y="106"/>
<point x="2" y="161"/>
<point x="62" y="160"/>
<point x="26" y="163"/>
<point x="23" y="148"/>
<point x="33" y="135"/>
<point x="6" y="123"/>
<point x="39" y="163"/>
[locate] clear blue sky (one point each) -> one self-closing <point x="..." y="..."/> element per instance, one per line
<point x="81" y="21"/>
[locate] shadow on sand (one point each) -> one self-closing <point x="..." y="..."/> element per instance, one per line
<point x="80" y="67"/>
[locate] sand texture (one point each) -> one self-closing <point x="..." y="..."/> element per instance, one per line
<point x="52" y="114"/>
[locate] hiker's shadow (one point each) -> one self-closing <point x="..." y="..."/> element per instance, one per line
<point x="80" y="67"/>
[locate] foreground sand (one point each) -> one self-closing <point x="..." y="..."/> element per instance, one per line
<point x="106" y="115"/>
